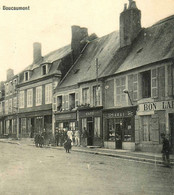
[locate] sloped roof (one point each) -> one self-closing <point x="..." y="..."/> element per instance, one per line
<point x="51" y="57"/>
<point x="153" y="44"/>
<point x="106" y="49"/>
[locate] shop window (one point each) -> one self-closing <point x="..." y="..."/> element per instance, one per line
<point x="84" y="124"/>
<point x="71" y="101"/>
<point x="120" y="95"/>
<point x="127" y="130"/>
<point x="146" y="84"/>
<point x="96" y="96"/>
<point x="146" y="124"/>
<point x="59" y="103"/>
<point x="72" y="126"/>
<point x="85" y="96"/>
<point x="111" y="130"/>
<point x="97" y="126"/>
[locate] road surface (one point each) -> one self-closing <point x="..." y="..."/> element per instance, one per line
<point x="27" y="170"/>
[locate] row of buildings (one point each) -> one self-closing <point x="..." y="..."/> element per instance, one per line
<point x="119" y="88"/>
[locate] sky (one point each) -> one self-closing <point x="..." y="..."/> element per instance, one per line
<point x="49" y="22"/>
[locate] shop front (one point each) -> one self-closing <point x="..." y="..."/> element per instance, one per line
<point x="34" y="122"/>
<point x="119" y="128"/>
<point x="66" y="122"/>
<point x="154" y="118"/>
<point x="91" y="126"/>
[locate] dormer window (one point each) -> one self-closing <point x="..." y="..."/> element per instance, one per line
<point x="26" y="76"/>
<point x="44" y="69"/>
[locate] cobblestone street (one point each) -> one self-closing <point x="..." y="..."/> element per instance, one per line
<point x="34" y="171"/>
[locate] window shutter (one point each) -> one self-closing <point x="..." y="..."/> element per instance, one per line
<point x="130" y="86"/>
<point x="154" y="83"/>
<point x="54" y="104"/>
<point x="155" y="128"/>
<point x="135" y="86"/>
<point x="169" y="75"/>
<point x="161" y="81"/>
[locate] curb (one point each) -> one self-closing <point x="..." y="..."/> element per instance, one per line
<point x="139" y="159"/>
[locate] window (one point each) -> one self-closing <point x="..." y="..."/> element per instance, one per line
<point x="85" y="96"/>
<point x="146" y="124"/>
<point x="26" y="76"/>
<point x="154" y="83"/>
<point x="120" y="95"/>
<point x="146" y="84"/>
<point x="77" y="99"/>
<point x="97" y="126"/>
<point x="21" y="99"/>
<point x="38" y="95"/>
<point x="72" y="126"/>
<point x="10" y="105"/>
<point x="44" y="69"/>
<point x="48" y="93"/>
<point x="29" y="97"/>
<point x="66" y="102"/>
<point x="14" y="85"/>
<point x="96" y="96"/>
<point x="11" y="87"/>
<point x="59" y="103"/>
<point x="15" y="104"/>
<point x="7" y="89"/>
<point x="6" y="107"/>
<point x="72" y="101"/>
<point x="84" y="124"/>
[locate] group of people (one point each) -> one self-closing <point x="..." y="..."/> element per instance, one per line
<point x="67" y="138"/>
<point x="41" y="139"/>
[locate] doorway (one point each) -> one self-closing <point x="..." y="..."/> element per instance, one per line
<point x="90" y="130"/>
<point x="171" y="122"/>
<point x="118" y="136"/>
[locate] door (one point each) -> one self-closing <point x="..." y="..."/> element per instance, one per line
<point x="118" y="136"/>
<point x="90" y="130"/>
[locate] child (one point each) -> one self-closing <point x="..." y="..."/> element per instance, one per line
<point x="67" y="145"/>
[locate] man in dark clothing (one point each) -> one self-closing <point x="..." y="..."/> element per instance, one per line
<point x="165" y="150"/>
<point x="57" y="137"/>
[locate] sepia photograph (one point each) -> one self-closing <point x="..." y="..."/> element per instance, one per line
<point x="87" y="97"/>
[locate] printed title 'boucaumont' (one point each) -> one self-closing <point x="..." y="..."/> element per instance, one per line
<point x="13" y="8"/>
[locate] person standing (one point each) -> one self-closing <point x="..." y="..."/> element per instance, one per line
<point x="77" y="138"/>
<point x="165" y="150"/>
<point x="57" y="137"/>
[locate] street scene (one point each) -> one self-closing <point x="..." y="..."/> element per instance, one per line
<point x="87" y="98"/>
<point x="33" y="171"/>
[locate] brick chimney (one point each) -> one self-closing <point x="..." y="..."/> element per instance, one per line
<point x="130" y="24"/>
<point x="10" y="74"/>
<point x="37" y="53"/>
<point x="78" y="40"/>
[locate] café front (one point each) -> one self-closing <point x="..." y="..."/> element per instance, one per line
<point x="90" y="123"/>
<point x="118" y="128"/>
<point x="152" y="119"/>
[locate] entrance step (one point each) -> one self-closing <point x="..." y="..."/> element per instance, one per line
<point x="93" y="147"/>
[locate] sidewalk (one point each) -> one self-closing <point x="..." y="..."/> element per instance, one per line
<point x="124" y="154"/>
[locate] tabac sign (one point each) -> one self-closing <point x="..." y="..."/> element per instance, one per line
<point x="152" y="106"/>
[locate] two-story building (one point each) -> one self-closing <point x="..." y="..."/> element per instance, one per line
<point x="1" y="108"/>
